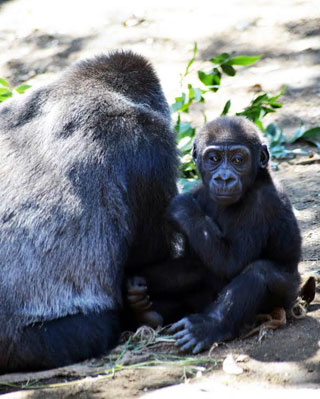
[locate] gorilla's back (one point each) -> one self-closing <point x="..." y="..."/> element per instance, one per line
<point x="77" y="158"/>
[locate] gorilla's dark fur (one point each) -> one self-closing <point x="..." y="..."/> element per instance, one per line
<point x="242" y="241"/>
<point x="242" y="227"/>
<point x="87" y="169"/>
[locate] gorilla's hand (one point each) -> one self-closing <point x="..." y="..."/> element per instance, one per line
<point x="197" y="333"/>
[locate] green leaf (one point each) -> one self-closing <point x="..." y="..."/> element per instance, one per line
<point x="185" y="144"/>
<point x="205" y="119"/>
<point x="5" y="96"/>
<point x="313" y="133"/>
<point x="302" y="134"/>
<point x="176" y="106"/>
<point x="300" y="151"/>
<point x="275" y="105"/>
<point x="21" y="89"/>
<point x="220" y="59"/>
<point x="4" y="83"/>
<point x="179" y="104"/>
<point x="278" y="138"/>
<point x="198" y="95"/>
<point x="279" y="94"/>
<point x="259" y="124"/>
<point x="266" y="110"/>
<point x="3" y="90"/>
<point x="280" y="152"/>
<point x="186" y="159"/>
<point x="191" y="93"/>
<point x="260" y="107"/>
<point x="297" y="134"/>
<point x="244" y="60"/>
<point x="206" y="78"/>
<point x="260" y="99"/>
<point x="271" y="129"/>
<point x="195" y="49"/>
<point x="226" y="108"/>
<point x="228" y="69"/>
<point x="211" y="79"/>
<point x="184" y="127"/>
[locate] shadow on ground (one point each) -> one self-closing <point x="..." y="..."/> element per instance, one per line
<point x="38" y="61"/>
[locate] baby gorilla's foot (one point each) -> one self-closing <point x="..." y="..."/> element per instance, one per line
<point x="139" y="302"/>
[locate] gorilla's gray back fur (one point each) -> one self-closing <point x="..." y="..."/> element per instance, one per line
<point x="72" y="155"/>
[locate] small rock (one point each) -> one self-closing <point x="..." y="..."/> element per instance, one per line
<point x="230" y="366"/>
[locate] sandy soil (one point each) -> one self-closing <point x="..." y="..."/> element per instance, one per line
<point x="38" y="39"/>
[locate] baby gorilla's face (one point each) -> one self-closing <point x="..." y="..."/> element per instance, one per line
<point x="226" y="171"/>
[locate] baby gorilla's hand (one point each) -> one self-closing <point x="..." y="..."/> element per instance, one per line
<point x="140" y="303"/>
<point x="184" y="210"/>
<point x="197" y="333"/>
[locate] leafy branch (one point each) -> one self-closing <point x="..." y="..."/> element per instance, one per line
<point x="6" y="91"/>
<point x="209" y="82"/>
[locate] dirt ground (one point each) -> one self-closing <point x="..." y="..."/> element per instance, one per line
<point x="38" y="39"/>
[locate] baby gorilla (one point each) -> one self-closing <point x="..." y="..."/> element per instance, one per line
<point x="241" y="228"/>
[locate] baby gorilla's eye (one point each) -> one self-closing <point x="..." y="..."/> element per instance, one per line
<point x="237" y="160"/>
<point x="214" y="158"/>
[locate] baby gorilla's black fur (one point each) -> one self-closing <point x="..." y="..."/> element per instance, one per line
<point x="243" y="241"/>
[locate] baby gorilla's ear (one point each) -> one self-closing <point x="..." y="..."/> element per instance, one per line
<point x="264" y="157"/>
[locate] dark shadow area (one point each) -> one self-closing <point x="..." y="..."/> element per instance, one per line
<point x="295" y="343"/>
<point x="279" y="56"/>
<point x="302" y="186"/>
<point x="291" y="121"/>
<point x="305" y="27"/>
<point x="217" y="46"/>
<point x="41" y="40"/>
<point x="306" y="92"/>
<point x="220" y="45"/>
<point x="63" y="46"/>
<point x="229" y="41"/>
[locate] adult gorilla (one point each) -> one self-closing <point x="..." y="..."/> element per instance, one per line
<point x="87" y="169"/>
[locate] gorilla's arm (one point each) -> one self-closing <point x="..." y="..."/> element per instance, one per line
<point x="204" y="235"/>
